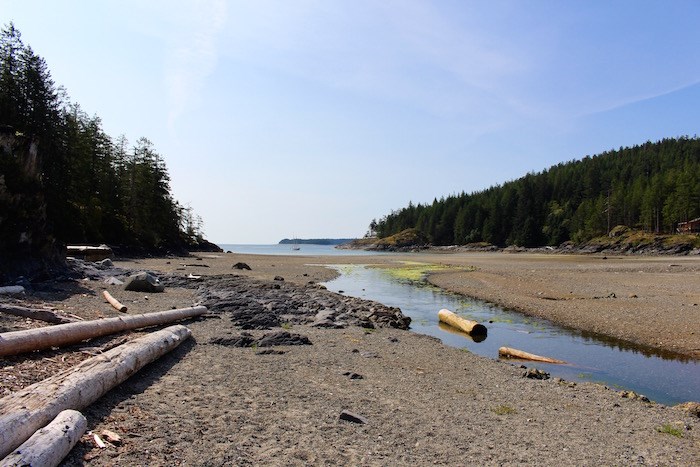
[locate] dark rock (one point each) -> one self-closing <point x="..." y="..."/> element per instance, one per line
<point x="241" y="266"/>
<point x="243" y="340"/>
<point x="249" y="318"/>
<point x="269" y="352"/>
<point x="144" y="282"/>
<point x="279" y="278"/>
<point x="353" y="417"/>
<point x="534" y="373"/>
<point x="283" y="338"/>
<point x="353" y="375"/>
<point x="390" y="317"/>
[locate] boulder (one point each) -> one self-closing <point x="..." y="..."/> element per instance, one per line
<point x="241" y="266"/>
<point x="144" y="282"/>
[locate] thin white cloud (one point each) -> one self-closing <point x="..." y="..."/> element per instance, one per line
<point x="193" y="55"/>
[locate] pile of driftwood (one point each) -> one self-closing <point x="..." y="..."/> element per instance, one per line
<point x="40" y="424"/>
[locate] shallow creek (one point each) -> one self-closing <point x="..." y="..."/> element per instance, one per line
<point x="662" y="377"/>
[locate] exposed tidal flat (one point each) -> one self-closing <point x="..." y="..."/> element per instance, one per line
<point x="424" y="403"/>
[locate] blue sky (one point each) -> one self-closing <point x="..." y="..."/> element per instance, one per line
<point x="310" y="118"/>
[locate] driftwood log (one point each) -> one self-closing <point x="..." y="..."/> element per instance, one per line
<point x="468" y="326"/>
<point x="27" y="410"/>
<point x="457" y="332"/>
<point x="509" y="352"/>
<point x="114" y="302"/>
<point x="49" y="445"/>
<point x="36" y="313"/>
<point x="16" y="342"/>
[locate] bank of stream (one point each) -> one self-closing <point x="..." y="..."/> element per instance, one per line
<point x="662" y="377"/>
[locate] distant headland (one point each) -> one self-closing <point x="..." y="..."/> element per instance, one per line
<point x="315" y="241"/>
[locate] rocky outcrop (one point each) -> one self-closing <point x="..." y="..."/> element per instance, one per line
<point x="26" y="246"/>
<point x="258" y="305"/>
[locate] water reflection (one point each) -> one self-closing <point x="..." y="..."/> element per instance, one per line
<point x="662" y="376"/>
<point x="476" y="337"/>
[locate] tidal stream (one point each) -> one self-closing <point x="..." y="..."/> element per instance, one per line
<point x="662" y="377"/>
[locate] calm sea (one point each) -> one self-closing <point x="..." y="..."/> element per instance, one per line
<point x="304" y="250"/>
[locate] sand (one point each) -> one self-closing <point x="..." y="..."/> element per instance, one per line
<point x="424" y="403"/>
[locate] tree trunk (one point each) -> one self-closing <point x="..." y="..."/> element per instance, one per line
<point x="515" y="353"/>
<point x="16" y="342"/>
<point x="25" y="411"/>
<point x="470" y="327"/>
<point x="114" y="302"/>
<point x="36" y="313"/>
<point x="49" y="445"/>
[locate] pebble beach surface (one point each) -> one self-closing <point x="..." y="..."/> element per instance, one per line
<point x="338" y="382"/>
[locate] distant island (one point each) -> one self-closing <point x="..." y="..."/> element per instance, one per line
<point x="315" y="241"/>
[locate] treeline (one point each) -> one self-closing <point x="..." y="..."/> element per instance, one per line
<point x="96" y="188"/>
<point x="652" y="187"/>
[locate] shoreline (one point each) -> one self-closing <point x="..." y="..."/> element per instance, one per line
<point x="423" y="403"/>
<point x="650" y="301"/>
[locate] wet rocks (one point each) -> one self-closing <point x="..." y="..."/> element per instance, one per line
<point x="254" y="304"/>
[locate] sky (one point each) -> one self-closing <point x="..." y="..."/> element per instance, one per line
<point x="310" y="118"/>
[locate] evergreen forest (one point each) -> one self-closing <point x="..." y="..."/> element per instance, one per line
<point x="94" y="188"/>
<point x="650" y="187"/>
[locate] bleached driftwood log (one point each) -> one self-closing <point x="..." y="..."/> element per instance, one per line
<point x="49" y="445"/>
<point x="510" y="352"/>
<point x="35" y="313"/>
<point x="25" y="411"/>
<point x="16" y="342"/>
<point x="454" y="320"/>
<point x="114" y="302"/>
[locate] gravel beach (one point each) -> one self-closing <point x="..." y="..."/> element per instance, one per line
<point x="225" y="397"/>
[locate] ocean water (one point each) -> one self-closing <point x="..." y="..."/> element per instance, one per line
<point x="286" y="250"/>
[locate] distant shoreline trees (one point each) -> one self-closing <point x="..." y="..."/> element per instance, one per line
<point x="651" y="187"/>
<point x="96" y="189"/>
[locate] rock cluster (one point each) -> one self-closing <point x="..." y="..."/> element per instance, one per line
<point x="253" y="304"/>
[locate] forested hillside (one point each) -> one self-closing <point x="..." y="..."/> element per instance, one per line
<point x="652" y="187"/>
<point x="86" y="186"/>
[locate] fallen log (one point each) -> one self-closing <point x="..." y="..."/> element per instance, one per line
<point x="16" y="342"/>
<point x="27" y="410"/>
<point x="114" y="302"/>
<point x="509" y="352"/>
<point x="36" y="313"/>
<point x="49" y="445"/>
<point x="459" y="332"/>
<point x="468" y="326"/>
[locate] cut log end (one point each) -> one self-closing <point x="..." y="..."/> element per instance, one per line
<point x="470" y="327"/>
<point x="49" y="445"/>
<point x="114" y="302"/>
